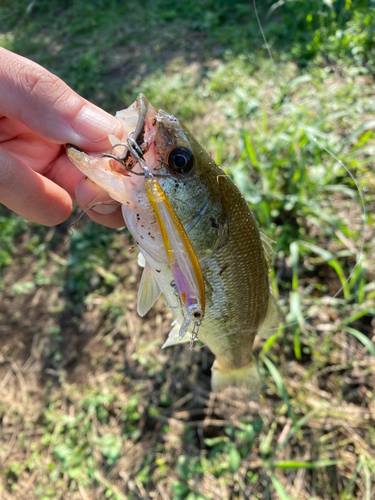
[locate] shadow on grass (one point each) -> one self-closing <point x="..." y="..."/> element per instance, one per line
<point x="104" y="49"/>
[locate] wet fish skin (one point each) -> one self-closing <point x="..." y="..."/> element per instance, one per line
<point x="224" y="235"/>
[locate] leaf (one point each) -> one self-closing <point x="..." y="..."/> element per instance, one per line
<point x="295" y="313"/>
<point x="362" y="338"/>
<point x="180" y="489"/>
<point x="279" y="383"/>
<point x="294" y="257"/>
<point x="334" y="263"/>
<point x="293" y="464"/>
<point x="270" y="341"/>
<point x="250" y="150"/>
<point x="63" y="453"/>
<point x="183" y="466"/>
<point x="324" y="254"/>
<point x="341" y="188"/>
<point x="296" y="428"/>
<point x="340" y="273"/>
<point x="234" y="460"/>
<point x="110" y="447"/>
<point x="298" y="81"/>
<point x="353" y="136"/>
<point x="358" y="315"/>
<point x="279" y="488"/>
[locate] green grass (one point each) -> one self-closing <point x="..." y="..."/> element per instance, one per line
<point x="90" y="407"/>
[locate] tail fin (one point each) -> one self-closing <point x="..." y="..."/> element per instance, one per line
<point x="246" y="377"/>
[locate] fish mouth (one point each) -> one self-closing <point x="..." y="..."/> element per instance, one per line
<point x="139" y="130"/>
<point x="133" y="131"/>
<point x="133" y="120"/>
<point x="134" y="144"/>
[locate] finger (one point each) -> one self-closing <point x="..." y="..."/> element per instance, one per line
<point x="33" y="151"/>
<point x="30" y="195"/>
<point x="89" y="194"/>
<point x="45" y="104"/>
<point x="64" y="173"/>
<point x="9" y="129"/>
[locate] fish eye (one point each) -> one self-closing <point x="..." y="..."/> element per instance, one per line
<point x="198" y="314"/>
<point x="181" y="160"/>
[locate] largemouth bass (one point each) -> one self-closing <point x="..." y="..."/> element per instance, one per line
<point x="234" y="257"/>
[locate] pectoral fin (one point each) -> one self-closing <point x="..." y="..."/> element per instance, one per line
<point x="174" y="336"/>
<point x="141" y="260"/>
<point x="148" y="291"/>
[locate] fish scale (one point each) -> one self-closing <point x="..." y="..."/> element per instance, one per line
<point x="242" y="289"/>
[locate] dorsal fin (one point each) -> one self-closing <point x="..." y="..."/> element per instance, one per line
<point x="272" y="319"/>
<point x="268" y="250"/>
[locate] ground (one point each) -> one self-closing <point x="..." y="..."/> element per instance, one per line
<point x="91" y="407"/>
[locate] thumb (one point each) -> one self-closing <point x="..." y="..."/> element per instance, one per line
<point x="44" y="103"/>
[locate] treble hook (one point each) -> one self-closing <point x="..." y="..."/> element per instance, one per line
<point x="137" y="152"/>
<point x="124" y="154"/>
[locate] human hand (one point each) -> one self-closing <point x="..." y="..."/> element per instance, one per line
<point x="39" y="113"/>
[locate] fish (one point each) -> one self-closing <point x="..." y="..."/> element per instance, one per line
<point x="230" y="256"/>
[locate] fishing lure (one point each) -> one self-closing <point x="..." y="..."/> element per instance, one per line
<point x="184" y="264"/>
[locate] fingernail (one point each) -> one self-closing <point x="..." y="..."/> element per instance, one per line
<point x="89" y="194"/>
<point x="95" y="124"/>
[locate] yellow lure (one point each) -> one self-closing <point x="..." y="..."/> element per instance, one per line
<point x="182" y="259"/>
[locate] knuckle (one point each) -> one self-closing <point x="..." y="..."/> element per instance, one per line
<point x="39" y="82"/>
<point x="36" y="81"/>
